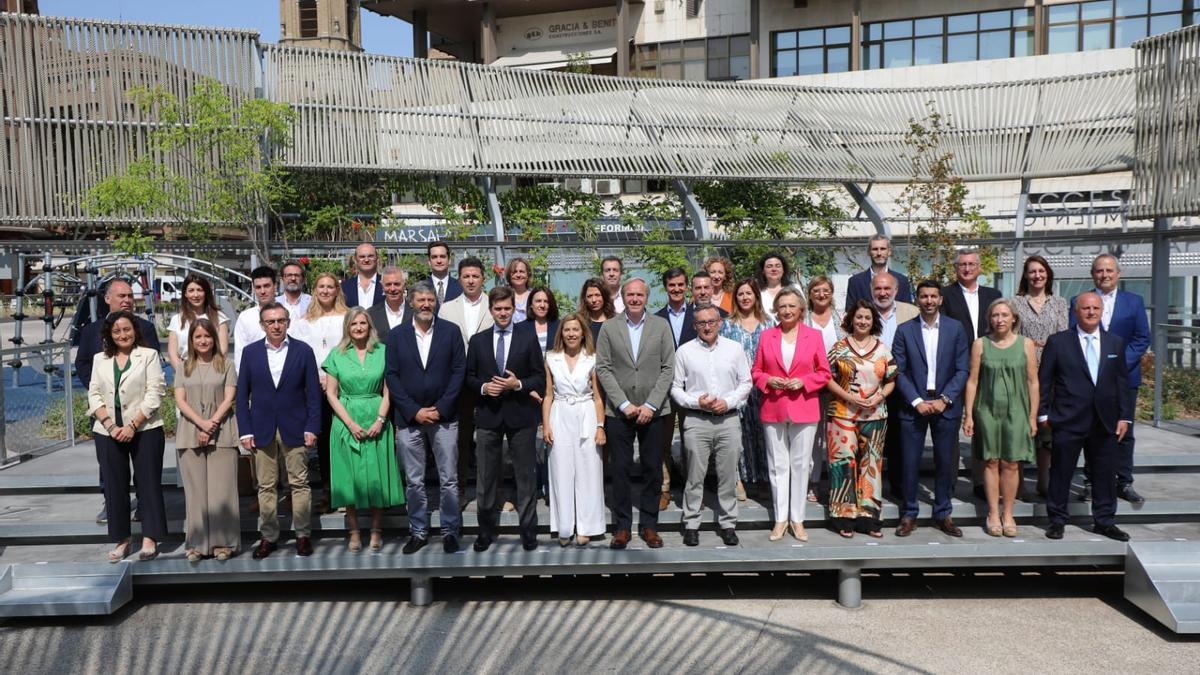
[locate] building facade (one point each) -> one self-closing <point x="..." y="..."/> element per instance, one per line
<point x="328" y="24"/>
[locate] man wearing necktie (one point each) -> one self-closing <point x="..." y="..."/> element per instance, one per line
<point x="504" y="366"/>
<point x="1087" y="405"/>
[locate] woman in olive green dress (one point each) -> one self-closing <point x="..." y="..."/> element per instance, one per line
<point x="363" y="471"/>
<point x="1001" y="409"/>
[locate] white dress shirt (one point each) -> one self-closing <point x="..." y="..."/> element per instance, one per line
<point x="1109" y="301"/>
<point x="787" y="351"/>
<point x="972" y="299"/>
<point x="246" y="330"/>
<point x="929" y="333"/>
<point x="471" y="314"/>
<point x="295" y="310"/>
<point x="676" y="317"/>
<point x="393" y="318"/>
<point x="322" y="334"/>
<point x="366" y="296"/>
<point x="424" y="340"/>
<point x="719" y="370"/>
<point x="440" y="286"/>
<point x="276" y="359"/>
<point x="888" y="336"/>
<point x="618" y="303"/>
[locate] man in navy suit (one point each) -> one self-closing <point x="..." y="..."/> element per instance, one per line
<point x="1123" y="315"/>
<point x="932" y="362"/>
<point x="426" y="365"/>
<point x="879" y="248"/>
<point x="1088" y="405"/>
<point x="504" y="366"/>
<point x="364" y="289"/>
<point x="445" y="286"/>
<point x="279" y="413"/>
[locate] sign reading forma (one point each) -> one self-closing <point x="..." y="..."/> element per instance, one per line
<point x="555" y="31"/>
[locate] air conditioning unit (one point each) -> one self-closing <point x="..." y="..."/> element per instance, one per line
<point x="608" y="186"/>
<point x="693" y="8"/>
<point x="660" y="6"/>
<point x="583" y="185"/>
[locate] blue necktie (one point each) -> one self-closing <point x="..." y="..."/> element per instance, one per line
<point x="1093" y="358"/>
<point x="500" y="354"/>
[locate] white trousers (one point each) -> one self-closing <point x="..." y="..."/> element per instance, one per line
<point x="576" y="473"/>
<point x="789" y="459"/>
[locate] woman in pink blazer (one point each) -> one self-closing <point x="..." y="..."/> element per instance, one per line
<point x="790" y="369"/>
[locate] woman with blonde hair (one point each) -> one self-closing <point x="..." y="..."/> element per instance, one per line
<point x="517" y="275"/>
<point x="720" y="269"/>
<point x="363" y="473"/>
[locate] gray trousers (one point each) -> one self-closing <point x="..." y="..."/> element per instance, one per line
<point x="411" y="443"/>
<point x="719" y="437"/>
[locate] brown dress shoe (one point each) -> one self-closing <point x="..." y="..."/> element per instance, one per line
<point x="304" y="546"/>
<point x="651" y="537"/>
<point x="264" y="549"/>
<point x="664" y="501"/>
<point x="620" y="539"/>
<point x="907" y="525"/>
<point x="947" y="525"/>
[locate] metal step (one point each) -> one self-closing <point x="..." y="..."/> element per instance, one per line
<point x="64" y="589"/>
<point x="1163" y="579"/>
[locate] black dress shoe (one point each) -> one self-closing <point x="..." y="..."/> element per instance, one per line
<point x="691" y="537"/>
<point x="1055" y="531"/>
<point x="1111" y="531"/>
<point x="304" y="547"/>
<point x="413" y="545"/>
<point x="482" y="544"/>
<point x="1130" y="495"/>
<point x="264" y="549"/>
<point x="1086" y="494"/>
<point x="449" y="544"/>
<point x="729" y="536"/>
<point x="529" y="544"/>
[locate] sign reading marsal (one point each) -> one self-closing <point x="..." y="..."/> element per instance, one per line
<point x="555" y="31"/>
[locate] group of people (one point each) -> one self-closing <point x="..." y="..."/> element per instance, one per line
<point x="764" y="379"/>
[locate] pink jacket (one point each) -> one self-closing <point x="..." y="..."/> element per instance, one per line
<point x="809" y="363"/>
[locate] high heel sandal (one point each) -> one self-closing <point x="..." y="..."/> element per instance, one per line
<point x="799" y="532"/>
<point x="355" y="544"/>
<point x="992" y="530"/>
<point x="148" y="555"/>
<point x="581" y="540"/>
<point x="778" y="531"/>
<point x="119" y="552"/>
<point x="1010" y="530"/>
<point x="376" y="539"/>
<point x="193" y="556"/>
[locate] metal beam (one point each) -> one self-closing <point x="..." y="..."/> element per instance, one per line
<point x="692" y="208"/>
<point x="1019" y="235"/>
<point x="497" y="218"/>
<point x="869" y="207"/>
<point x="1160" y="297"/>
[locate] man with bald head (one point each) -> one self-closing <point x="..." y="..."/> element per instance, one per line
<point x="1087" y="404"/>
<point x="891" y="311"/>
<point x="364" y="289"/>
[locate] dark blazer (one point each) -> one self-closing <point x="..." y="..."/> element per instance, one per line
<point x="551" y="331"/>
<point x="953" y="365"/>
<point x="378" y="314"/>
<point x="453" y="288"/>
<point x="512" y="409"/>
<point x="350" y="291"/>
<point x="859" y="288"/>
<point x="292" y="408"/>
<point x="1128" y="323"/>
<point x="1068" y="396"/>
<point x="954" y="305"/>
<point x="438" y="383"/>
<point x="90" y="345"/>
<point x="688" y="332"/>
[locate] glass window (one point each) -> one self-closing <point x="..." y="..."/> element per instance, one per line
<point x="897" y="29"/>
<point x="927" y="51"/>
<point x="1022" y="43"/>
<point x="739" y="67"/>
<point x="816" y="50"/>
<point x="1165" y="23"/>
<point x="810" y="38"/>
<point x="739" y="45"/>
<point x="962" y="23"/>
<point x="811" y="61"/>
<point x="1022" y="17"/>
<point x="1131" y="7"/>
<point x="1157" y="6"/>
<point x="994" y="44"/>
<point x="837" y="36"/>
<point x="872" y="56"/>
<point x="785" y="40"/>
<point x="694" y="70"/>
<point x="1129" y="30"/>
<point x="670" y="51"/>
<point x="960" y="48"/>
<point x="1062" y="13"/>
<point x="1096" y="36"/>
<point x="837" y="60"/>
<point x="718" y="48"/>
<point x="1062" y="39"/>
<point x="897" y="54"/>
<point x="870" y="32"/>
<point x="693" y="49"/>
<point x="785" y="64"/>
<point x="1096" y="10"/>
<point x="931" y="26"/>
<point x="990" y="20"/>
<point x="718" y="69"/>
<point x="671" y="71"/>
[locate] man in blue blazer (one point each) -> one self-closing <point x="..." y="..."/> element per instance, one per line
<point x="879" y="248"/>
<point x="1087" y="404"/>
<point x="426" y="365"/>
<point x="365" y="288"/>
<point x="445" y="286"/>
<point x="677" y="312"/>
<point x="932" y="362"/>
<point x="279" y="414"/>
<point x="505" y="366"/>
<point x="1123" y="315"/>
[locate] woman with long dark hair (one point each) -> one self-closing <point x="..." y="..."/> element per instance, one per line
<point x="198" y="301"/>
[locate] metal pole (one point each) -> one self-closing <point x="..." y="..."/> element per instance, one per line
<point x="47" y="315"/>
<point x="3" y="424"/>
<point x="869" y="208"/>
<point x="493" y="207"/>
<point x="422" y="591"/>
<point x="68" y="394"/>
<point x="691" y="206"/>
<point x="849" y="588"/>
<point x="1019" y="234"/>
<point x="1160" y="316"/>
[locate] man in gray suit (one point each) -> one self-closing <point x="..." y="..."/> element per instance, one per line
<point x="635" y="363"/>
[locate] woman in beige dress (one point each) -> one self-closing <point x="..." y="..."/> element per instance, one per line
<point x="206" y="441"/>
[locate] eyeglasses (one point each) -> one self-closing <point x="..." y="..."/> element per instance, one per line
<point x="710" y="322"/>
<point x="272" y="322"/>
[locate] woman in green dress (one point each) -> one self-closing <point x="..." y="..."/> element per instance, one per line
<point x="363" y="471"/>
<point x="1001" y="409"/>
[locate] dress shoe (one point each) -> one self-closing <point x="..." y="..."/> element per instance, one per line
<point x="482" y="544"/>
<point x="264" y="549"/>
<point x="650" y="536"/>
<point x="778" y="531"/>
<point x="1055" y="531"/>
<point x="413" y="545"/>
<point x="1086" y="494"/>
<point x="102" y="517"/>
<point x="691" y="537"/>
<point x="947" y="525"/>
<point x="529" y="543"/>
<point x="729" y="536"/>
<point x="906" y="527"/>
<point x="664" y="501"/>
<point x="1130" y="495"/>
<point x="979" y="493"/>
<point x="449" y="543"/>
<point x="304" y="547"/>
<point x="620" y="539"/>
<point x="1111" y="531"/>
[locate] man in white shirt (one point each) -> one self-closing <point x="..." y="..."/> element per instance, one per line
<point x="248" y="329"/>
<point x="611" y="271"/>
<point x="293" y="297"/>
<point x="394" y="310"/>
<point x="363" y="289"/>
<point x="709" y="384"/>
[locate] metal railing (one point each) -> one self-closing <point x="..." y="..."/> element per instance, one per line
<point x="38" y="400"/>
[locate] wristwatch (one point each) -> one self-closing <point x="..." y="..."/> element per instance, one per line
<point x="946" y="400"/>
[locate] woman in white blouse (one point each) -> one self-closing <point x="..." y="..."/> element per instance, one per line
<point x="322" y="328"/>
<point x="198" y="301"/>
<point x="824" y="317"/>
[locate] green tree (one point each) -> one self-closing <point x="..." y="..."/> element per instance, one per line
<point x="205" y="165"/>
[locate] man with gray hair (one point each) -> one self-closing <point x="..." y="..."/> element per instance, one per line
<point x="879" y="249"/>
<point x="709" y="384"/>
<point x="393" y="311"/>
